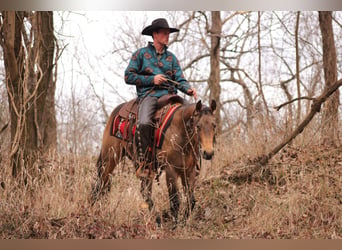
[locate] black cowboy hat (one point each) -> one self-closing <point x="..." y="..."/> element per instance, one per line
<point x="159" y="23"/>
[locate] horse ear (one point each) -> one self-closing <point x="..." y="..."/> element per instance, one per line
<point x="213" y="105"/>
<point x="198" y="106"/>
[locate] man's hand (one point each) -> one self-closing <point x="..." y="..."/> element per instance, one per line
<point x="193" y="93"/>
<point x="159" y="79"/>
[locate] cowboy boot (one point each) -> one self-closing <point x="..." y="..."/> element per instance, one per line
<point x="144" y="150"/>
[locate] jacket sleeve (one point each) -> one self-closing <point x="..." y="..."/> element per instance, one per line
<point x="134" y="74"/>
<point x="178" y="76"/>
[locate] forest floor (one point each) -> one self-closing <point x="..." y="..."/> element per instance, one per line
<point x="297" y="195"/>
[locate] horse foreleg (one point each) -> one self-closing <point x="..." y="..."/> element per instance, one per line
<point x="146" y="191"/>
<point x="171" y="181"/>
<point x="188" y="182"/>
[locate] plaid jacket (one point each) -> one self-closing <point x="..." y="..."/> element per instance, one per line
<point x="144" y="65"/>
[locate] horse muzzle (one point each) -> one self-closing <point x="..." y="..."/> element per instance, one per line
<point x="208" y="155"/>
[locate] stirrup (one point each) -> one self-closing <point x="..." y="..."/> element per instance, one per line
<point x="142" y="171"/>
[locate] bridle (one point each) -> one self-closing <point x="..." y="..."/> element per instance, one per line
<point x="192" y="135"/>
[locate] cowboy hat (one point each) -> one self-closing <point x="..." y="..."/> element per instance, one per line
<point x="159" y="23"/>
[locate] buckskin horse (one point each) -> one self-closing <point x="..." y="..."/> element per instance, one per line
<point x="190" y="135"/>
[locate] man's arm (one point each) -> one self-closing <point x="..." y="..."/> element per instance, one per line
<point x="183" y="85"/>
<point x="133" y="73"/>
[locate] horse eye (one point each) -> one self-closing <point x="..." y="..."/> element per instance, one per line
<point x="198" y="127"/>
<point x="214" y="125"/>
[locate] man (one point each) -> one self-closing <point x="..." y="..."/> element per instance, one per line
<point x="149" y="70"/>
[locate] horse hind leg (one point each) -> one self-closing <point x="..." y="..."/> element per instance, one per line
<point x="104" y="168"/>
<point x="97" y="187"/>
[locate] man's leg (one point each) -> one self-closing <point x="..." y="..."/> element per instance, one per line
<point x="144" y="135"/>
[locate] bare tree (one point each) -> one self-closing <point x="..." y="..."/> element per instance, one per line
<point x="260" y="85"/>
<point x="214" y="77"/>
<point x="299" y="110"/>
<point x="28" y="42"/>
<point x="330" y="108"/>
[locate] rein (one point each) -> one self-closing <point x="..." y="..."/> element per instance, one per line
<point x="191" y="132"/>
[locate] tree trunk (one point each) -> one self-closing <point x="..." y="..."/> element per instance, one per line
<point x="299" y="110"/>
<point x="330" y="109"/>
<point x="214" y="77"/>
<point x="28" y="57"/>
<point x="260" y="85"/>
<point x="46" y="98"/>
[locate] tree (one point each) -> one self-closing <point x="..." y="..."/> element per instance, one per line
<point x="299" y="110"/>
<point x="214" y="77"/>
<point x="330" y="108"/>
<point x="28" y="43"/>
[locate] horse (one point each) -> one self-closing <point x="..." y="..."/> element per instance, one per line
<point x="190" y="135"/>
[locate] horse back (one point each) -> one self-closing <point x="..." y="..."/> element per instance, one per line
<point x="124" y="118"/>
<point x="128" y="108"/>
<point x="131" y="107"/>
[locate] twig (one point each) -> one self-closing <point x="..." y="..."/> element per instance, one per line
<point x="293" y="100"/>
<point x="4" y="127"/>
<point x="315" y="108"/>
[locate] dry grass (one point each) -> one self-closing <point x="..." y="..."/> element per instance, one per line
<point x="297" y="195"/>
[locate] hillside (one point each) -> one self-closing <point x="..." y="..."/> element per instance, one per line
<point x="296" y="196"/>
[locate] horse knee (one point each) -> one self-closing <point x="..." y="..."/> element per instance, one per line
<point x="174" y="205"/>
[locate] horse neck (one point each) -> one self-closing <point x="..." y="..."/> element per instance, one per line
<point x="187" y="125"/>
<point x="187" y="111"/>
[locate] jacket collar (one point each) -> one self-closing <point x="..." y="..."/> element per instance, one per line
<point x="151" y="45"/>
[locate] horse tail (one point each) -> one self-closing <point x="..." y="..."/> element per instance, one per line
<point x="99" y="164"/>
<point x="96" y="187"/>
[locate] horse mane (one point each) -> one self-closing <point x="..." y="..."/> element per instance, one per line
<point x="206" y="110"/>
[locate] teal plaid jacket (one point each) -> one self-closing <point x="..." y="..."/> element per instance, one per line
<point x="144" y="65"/>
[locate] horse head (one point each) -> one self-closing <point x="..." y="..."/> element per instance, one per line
<point x="205" y="126"/>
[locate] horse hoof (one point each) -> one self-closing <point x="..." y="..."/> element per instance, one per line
<point x="144" y="205"/>
<point x="158" y="221"/>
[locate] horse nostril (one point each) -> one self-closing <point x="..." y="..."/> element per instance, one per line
<point x="208" y="156"/>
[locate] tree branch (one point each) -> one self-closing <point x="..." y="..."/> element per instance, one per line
<point x="293" y="100"/>
<point x="315" y="108"/>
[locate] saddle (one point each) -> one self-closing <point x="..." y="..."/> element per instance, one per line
<point x="124" y="122"/>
